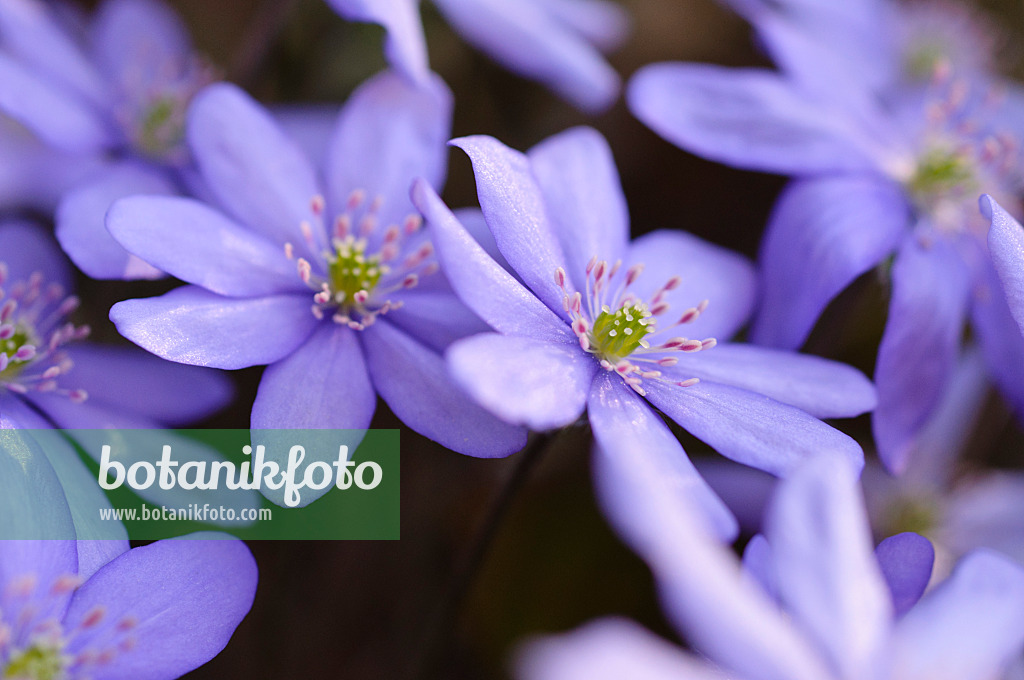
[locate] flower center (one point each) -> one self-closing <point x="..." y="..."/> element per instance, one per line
<point x="617" y="334"/>
<point x="961" y="154"/>
<point x="32" y="334"/>
<point x="354" y="279"/>
<point x="155" y="103"/>
<point x="37" y="644"/>
<point x="909" y="512"/>
<point x="943" y="172"/>
<point x="39" y="662"/>
<point x="351" y="271"/>
<point x="617" y="327"/>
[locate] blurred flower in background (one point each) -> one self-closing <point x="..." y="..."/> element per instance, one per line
<point x="812" y="601"/>
<point x="109" y="92"/>
<point x="558" y="42"/>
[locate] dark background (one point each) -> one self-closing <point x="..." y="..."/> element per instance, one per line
<point x="360" y="610"/>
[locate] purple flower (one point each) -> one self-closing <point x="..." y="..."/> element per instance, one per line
<point x="151" y="613"/>
<point x="109" y="95"/>
<point x="595" y="322"/>
<point x="813" y="602"/>
<point x="1006" y="243"/>
<point x="884" y="45"/>
<point x="51" y="376"/>
<point x="558" y="42"/>
<point x="940" y="494"/>
<point x="76" y="603"/>
<point x="878" y="176"/>
<point x="333" y="283"/>
<point x="47" y="365"/>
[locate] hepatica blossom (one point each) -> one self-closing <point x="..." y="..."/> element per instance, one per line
<point x="332" y="284"/>
<point x="886" y="45"/>
<point x="48" y="366"/>
<point x="558" y="42"/>
<point x="93" y="609"/>
<point x="113" y="88"/>
<point x="878" y="176"/>
<point x="812" y="603"/>
<point x="595" y="322"/>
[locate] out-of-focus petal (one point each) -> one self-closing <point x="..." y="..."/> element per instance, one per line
<point x="759" y="564"/>
<point x="26" y="249"/>
<point x="746" y="491"/>
<point x="987" y="511"/>
<point x="54" y="114"/>
<point x="604" y="23"/>
<point x="828" y="578"/>
<point x="906" y="561"/>
<point x="405" y="46"/>
<point x="193" y="326"/>
<point x="968" y="628"/>
<point x="609" y="649"/>
<point x="720" y="611"/>
<point x="416" y="384"/>
<point x="81" y="227"/>
<point x="823" y="233"/>
<point x="36" y="175"/>
<point x="31" y="31"/>
<point x="523" y="380"/>
<point x="526" y="39"/>
<point x="748" y="118"/>
<point x="999" y="336"/>
<point x="136" y="39"/>
<point x="919" y="346"/>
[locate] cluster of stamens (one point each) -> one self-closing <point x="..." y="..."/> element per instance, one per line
<point x="32" y="335"/>
<point x="35" y="643"/>
<point x="961" y="155"/>
<point x="617" y="327"/>
<point x="351" y="284"/>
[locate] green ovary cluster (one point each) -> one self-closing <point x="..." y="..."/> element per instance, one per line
<point x="924" y="57"/>
<point x="616" y="335"/>
<point x="36" y="663"/>
<point x="350" y="270"/>
<point x="9" y="347"/>
<point x="161" y="127"/>
<point x="911" y="513"/>
<point x="943" y="174"/>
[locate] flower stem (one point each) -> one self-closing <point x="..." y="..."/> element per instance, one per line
<point x="441" y="626"/>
